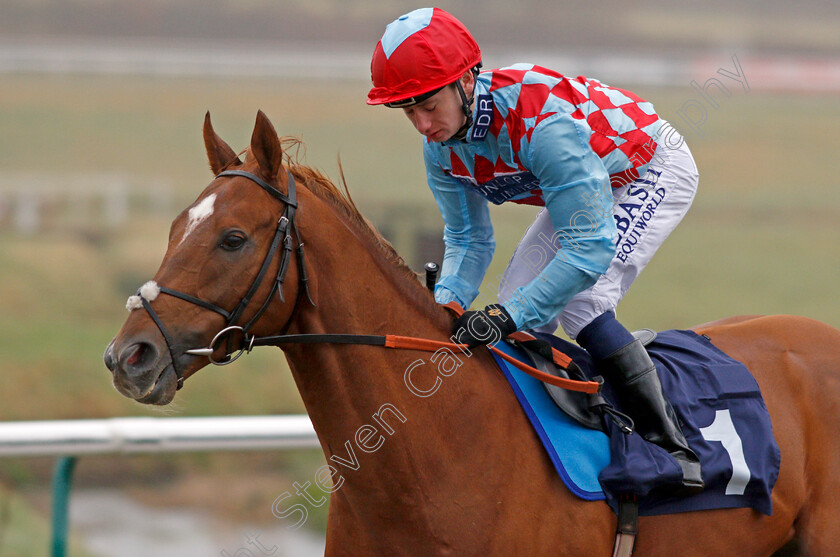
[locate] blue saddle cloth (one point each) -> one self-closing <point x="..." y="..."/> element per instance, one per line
<point x="723" y="416"/>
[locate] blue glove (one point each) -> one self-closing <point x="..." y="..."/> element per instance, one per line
<point x="485" y="326"/>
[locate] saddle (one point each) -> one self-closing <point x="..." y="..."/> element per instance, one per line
<point x="715" y="397"/>
<point x="586" y="409"/>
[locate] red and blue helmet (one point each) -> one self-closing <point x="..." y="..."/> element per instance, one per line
<point x="420" y="53"/>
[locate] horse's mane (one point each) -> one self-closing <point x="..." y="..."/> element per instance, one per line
<point x="320" y="185"/>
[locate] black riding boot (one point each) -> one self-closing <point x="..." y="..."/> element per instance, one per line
<point x="636" y="384"/>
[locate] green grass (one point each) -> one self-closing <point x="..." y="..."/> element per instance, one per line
<point x="761" y="238"/>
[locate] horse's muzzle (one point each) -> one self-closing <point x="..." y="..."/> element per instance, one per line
<point x="139" y="372"/>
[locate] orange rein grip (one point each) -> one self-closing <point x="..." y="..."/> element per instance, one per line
<point x="590" y="387"/>
<point x="560" y="359"/>
<point x="413" y="343"/>
<point x="428" y="345"/>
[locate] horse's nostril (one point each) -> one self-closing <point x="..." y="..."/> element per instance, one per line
<point x="138" y="357"/>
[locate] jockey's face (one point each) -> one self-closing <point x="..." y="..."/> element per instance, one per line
<point x="440" y="116"/>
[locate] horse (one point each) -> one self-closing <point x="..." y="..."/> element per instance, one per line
<point x="435" y="456"/>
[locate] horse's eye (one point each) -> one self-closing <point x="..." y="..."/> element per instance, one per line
<point x="233" y="241"/>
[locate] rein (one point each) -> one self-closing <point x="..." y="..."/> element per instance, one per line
<point x="413" y="343"/>
<point x="286" y="226"/>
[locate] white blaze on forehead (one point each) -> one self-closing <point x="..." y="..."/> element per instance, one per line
<point x="199" y="214"/>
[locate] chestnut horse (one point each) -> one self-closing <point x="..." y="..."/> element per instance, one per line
<point x="432" y="459"/>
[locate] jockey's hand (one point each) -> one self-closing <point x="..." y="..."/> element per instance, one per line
<point x="485" y="326"/>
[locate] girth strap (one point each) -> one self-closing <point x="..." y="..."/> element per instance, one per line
<point x="627" y="528"/>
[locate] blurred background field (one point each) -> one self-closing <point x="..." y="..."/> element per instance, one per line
<point x="111" y="157"/>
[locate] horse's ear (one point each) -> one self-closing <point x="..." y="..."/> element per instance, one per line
<point x="266" y="147"/>
<point x="219" y="153"/>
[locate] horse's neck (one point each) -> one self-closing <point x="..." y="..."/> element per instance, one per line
<point x="361" y="397"/>
<point x="343" y="386"/>
<point x="407" y="432"/>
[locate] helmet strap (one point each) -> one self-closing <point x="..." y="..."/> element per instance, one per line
<point x="466" y="106"/>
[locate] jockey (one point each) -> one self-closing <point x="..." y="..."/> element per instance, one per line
<point x="613" y="180"/>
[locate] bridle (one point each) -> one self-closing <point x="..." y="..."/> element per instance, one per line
<point x="286" y="228"/>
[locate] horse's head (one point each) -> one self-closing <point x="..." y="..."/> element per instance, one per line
<point x="231" y="261"/>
